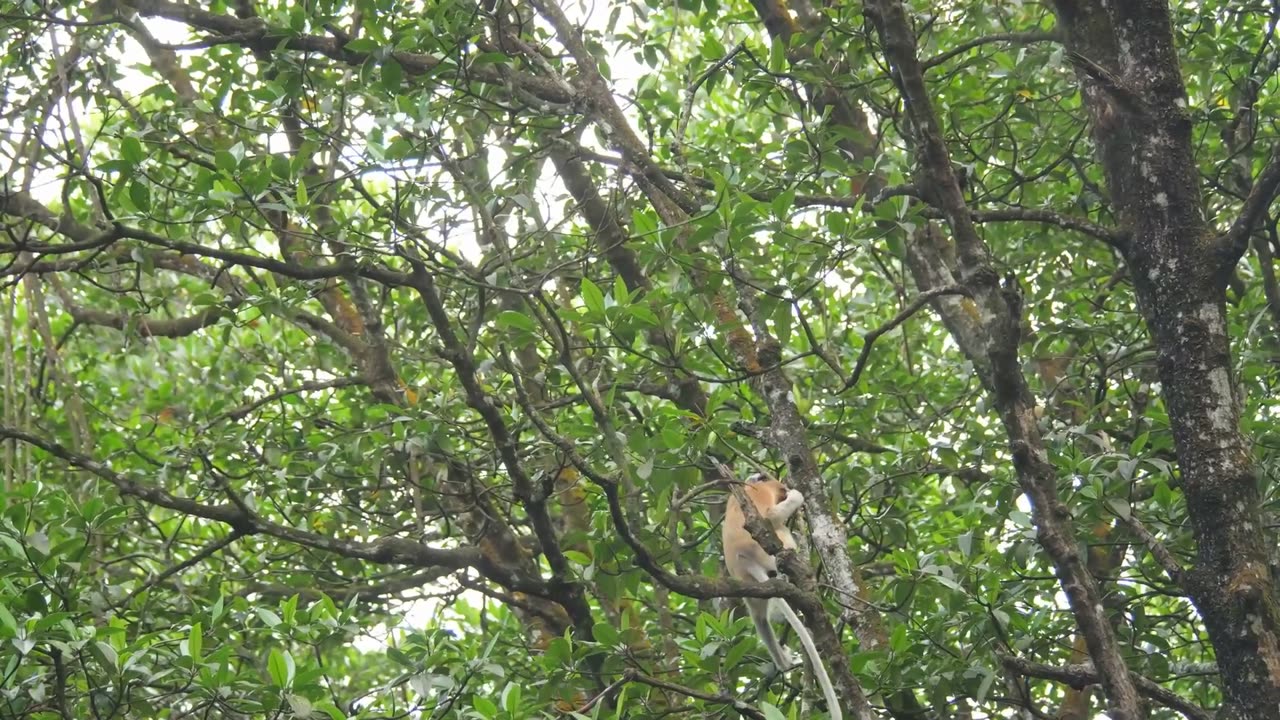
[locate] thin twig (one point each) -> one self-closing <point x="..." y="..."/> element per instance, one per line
<point x="244" y="410"/>
<point x="740" y="707"/>
<point x="912" y="308"/>
<point x="169" y="572"/>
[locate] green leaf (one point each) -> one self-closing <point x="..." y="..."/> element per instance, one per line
<point x="7" y="621"/>
<point x="280" y="168"/>
<point x="592" y="297"/>
<point x="300" y="705"/>
<point x="646" y="469"/>
<point x="782" y="203"/>
<point x="268" y="617"/>
<point x="280" y="667"/>
<point x="643" y="314"/>
<point x="578" y="556"/>
<point x="106" y="654"/>
<point x="399" y="657"/>
<point x="331" y="710"/>
<point x="290" y="609"/>
<point x="483" y="705"/>
<point x="673" y="436"/>
<point x="605" y="634"/>
<point x="771" y="712"/>
<point x="131" y="150"/>
<point x="140" y="196"/>
<point x="392" y="75"/>
<point x="1139" y="443"/>
<point x="194" y="641"/>
<point x="490" y="58"/>
<point x="899" y="640"/>
<point x="511" y="698"/>
<point x="225" y="161"/>
<point x="518" y="320"/>
<point x="15" y="548"/>
<point x="620" y="293"/>
<point x="361" y="45"/>
<point x="1120" y="507"/>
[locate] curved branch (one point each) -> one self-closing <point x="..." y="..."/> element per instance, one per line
<point x="1158" y="550"/>
<point x="84" y="237"/>
<point x="147" y="327"/>
<point x="738" y="706"/>
<point x="205" y="553"/>
<point x="1013" y="38"/>
<point x="387" y="550"/>
<point x="252" y="33"/>
<point x="911" y="309"/>
<point x="22" y="205"/>
<point x="534" y="500"/>
<point x="363" y="593"/>
<point x="1110" y="236"/>
<point x="1264" y="191"/>
<point x="244" y="410"/>
<point x="1078" y="676"/>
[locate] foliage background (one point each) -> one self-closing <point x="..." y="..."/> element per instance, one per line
<point x="311" y="309"/>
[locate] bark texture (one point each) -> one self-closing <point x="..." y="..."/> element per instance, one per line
<point x="1130" y="77"/>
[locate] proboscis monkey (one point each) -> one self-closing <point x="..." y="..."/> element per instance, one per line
<point x="748" y="561"/>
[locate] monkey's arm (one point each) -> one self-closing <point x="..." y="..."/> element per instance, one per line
<point x="779" y="514"/>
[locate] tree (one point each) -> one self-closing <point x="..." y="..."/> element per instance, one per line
<point x="370" y="359"/>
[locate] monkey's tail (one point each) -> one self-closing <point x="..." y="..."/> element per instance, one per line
<point x="819" y="670"/>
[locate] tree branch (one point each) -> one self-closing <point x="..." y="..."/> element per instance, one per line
<point x="147" y="327"/>
<point x="1236" y="240"/>
<point x="911" y="309"/>
<point x="1013" y="38"/>
<point x="1078" y="676"/>
<point x="244" y="410"/>
<point x="1161" y="553"/>
<point x="387" y="550"/>
<point x="364" y="593"/>
<point x="532" y="498"/>
<point x="743" y="709"/>
<point x="1111" y="236"/>
<point x="253" y="33"/>
<point x="998" y="312"/>
<point x="205" y="553"/>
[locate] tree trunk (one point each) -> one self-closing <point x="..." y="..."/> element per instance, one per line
<point x="1128" y="67"/>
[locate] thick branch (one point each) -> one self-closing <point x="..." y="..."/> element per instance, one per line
<point x="145" y="326"/>
<point x="83" y="237"/>
<point x="998" y="312"/>
<point x="596" y="91"/>
<point x="1078" y="676"/>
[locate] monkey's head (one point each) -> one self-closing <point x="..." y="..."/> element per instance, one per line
<point x="767" y="487"/>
